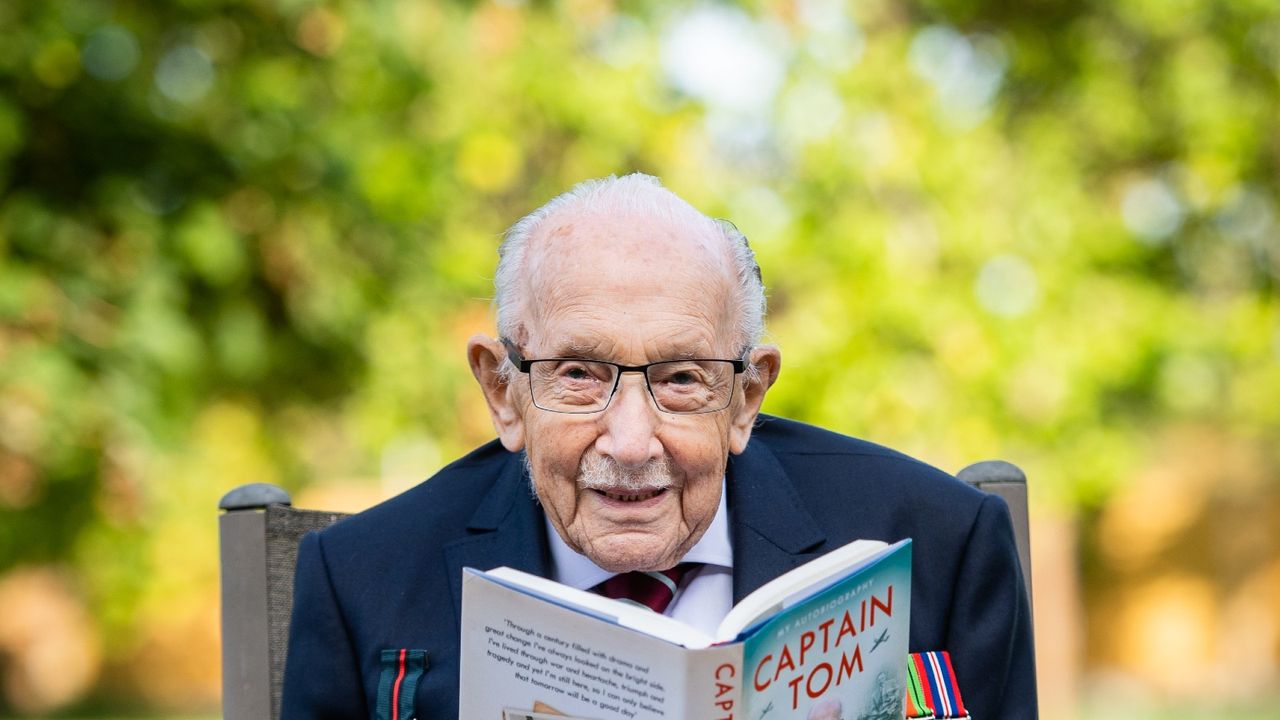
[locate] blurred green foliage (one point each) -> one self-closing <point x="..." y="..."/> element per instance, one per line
<point x="246" y="239"/>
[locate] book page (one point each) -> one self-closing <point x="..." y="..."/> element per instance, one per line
<point x="790" y="588"/>
<point x="521" y="654"/>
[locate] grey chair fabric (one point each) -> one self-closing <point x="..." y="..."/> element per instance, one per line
<point x="285" y="527"/>
<point x="259" y="533"/>
<point x="259" y="549"/>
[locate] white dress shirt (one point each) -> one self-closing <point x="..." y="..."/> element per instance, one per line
<point x="705" y="599"/>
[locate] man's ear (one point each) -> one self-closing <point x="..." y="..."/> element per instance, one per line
<point x="765" y="361"/>
<point x="485" y="356"/>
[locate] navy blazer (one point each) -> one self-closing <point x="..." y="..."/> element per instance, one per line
<point x="391" y="577"/>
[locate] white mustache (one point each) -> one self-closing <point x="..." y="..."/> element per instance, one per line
<point x="597" y="472"/>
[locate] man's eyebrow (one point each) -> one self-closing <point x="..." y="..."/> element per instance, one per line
<point x="684" y="349"/>
<point x="590" y="350"/>
<point x="578" y="349"/>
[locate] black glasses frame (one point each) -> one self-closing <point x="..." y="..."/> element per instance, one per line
<point x="523" y="365"/>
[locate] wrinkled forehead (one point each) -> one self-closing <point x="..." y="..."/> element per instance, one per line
<point x="630" y="239"/>
<point x="629" y="268"/>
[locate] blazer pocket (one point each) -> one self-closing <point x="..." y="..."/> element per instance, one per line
<point x="402" y="668"/>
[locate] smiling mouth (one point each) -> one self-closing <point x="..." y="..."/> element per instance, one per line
<point x="632" y="497"/>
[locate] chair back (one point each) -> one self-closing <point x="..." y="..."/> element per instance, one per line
<point x="258" y="534"/>
<point x="1010" y="483"/>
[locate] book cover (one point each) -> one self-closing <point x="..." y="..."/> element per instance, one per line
<point x="846" y="645"/>
<point x="533" y="648"/>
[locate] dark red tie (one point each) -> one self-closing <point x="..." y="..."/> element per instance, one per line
<point x="654" y="590"/>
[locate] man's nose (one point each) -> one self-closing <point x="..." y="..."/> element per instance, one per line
<point x="630" y="424"/>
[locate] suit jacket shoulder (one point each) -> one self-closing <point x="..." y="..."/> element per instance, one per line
<point x="851" y="488"/>
<point x="437" y="509"/>
<point x="390" y="578"/>
<point x="804" y="491"/>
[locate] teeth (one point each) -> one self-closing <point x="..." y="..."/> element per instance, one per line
<point x="630" y="498"/>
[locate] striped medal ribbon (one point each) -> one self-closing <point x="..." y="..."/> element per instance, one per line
<point x="932" y="690"/>
<point x="916" y="706"/>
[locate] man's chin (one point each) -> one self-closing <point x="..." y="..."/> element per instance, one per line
<point x="623" y="554"/>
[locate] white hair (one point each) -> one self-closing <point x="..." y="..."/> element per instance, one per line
<point x="634" y="192"/>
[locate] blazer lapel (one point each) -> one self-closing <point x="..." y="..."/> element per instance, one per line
<point x="772" y="531"/>
<point x="506" y="529"/>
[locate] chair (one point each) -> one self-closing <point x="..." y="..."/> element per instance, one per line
<point x="259" y="532"/>
<point x="258" y="536"/>
<point x="1010" y="483"/>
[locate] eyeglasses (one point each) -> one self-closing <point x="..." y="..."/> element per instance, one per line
<point x="578" y="386"/>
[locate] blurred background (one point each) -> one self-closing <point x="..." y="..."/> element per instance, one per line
<point x="245" y="240"/>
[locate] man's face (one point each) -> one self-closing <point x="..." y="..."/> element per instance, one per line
<point x="631" y="487"/>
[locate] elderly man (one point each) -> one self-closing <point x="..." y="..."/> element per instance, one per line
<point x="625" y="388"/>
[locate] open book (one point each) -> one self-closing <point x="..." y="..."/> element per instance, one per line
<point x="832" y="630"/>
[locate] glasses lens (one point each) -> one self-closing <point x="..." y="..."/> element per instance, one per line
<point x="691" y="386"/>
<point x="572" y="386"/>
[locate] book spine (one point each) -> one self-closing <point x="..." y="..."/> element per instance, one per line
<point x="715" y="683"/>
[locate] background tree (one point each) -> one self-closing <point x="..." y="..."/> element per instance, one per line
<point x="245" y="240"/>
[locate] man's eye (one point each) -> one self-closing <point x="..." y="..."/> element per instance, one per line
<point x="577" y="373"/>
<point x="682" y="378"/>
<point x="580" y="372"/>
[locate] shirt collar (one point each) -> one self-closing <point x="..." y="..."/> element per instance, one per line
<point x="578" y="571"/>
